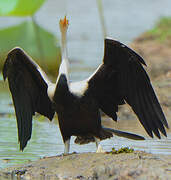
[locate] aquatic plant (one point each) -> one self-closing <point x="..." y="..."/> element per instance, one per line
<point x="35" y="40"/>
<point x="121" y="150"/>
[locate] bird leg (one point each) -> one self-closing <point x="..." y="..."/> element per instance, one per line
<point x="99" y="148"/>
<point x="67" y="147"/>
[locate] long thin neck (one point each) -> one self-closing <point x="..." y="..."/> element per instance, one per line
<point x="63" y="69"/>
<point x="64" y="45"/>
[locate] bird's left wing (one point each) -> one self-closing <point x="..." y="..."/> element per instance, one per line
<point x="121" y="78"/>
<point x="28" y="85"/>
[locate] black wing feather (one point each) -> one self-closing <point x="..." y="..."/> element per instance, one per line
<point x="122" y="78"/>
<point x="28" y="87"/>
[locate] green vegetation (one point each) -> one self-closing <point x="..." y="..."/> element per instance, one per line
<point x="121" y="150"/>
<point x="19" y="7"/>
<point x="40" y="44"/>
<point x="161" y="32"/>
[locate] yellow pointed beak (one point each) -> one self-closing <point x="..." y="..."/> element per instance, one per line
<point x="64" y="22"/>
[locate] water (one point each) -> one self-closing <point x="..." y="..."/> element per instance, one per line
<point x="125" y="20"/>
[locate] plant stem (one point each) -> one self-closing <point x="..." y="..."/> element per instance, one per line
<point x="101" y="14"/>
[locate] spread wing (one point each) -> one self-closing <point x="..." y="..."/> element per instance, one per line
<point x="28" y="85"/>
<point x="121" y="78"/>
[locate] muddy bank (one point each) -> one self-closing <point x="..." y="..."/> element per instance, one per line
<point x="156" y="54"/>
<point x="124" y="166"/>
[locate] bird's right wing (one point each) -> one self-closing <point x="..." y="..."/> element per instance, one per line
<point x="121" y="78"/>
<point x="28" y="85"/>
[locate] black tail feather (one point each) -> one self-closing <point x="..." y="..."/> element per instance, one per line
<point x="124" y="134"/>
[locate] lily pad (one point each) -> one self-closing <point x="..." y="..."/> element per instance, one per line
<point x="40" y="44"/>
<point x="19" y="7"/>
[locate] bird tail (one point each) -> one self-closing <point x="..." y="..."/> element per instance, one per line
<point x="124" y="134"/>
<point x="107" y="133"/>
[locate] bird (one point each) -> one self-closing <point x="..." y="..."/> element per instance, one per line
<point x="120" y="79"/>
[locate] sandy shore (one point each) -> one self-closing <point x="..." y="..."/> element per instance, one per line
<point x="125" y="166"/>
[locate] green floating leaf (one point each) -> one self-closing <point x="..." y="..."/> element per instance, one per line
<point x="19" y="7"/>
<point x="41" y="45"/>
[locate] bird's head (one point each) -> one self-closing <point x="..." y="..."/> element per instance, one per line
<point x="63" y="24"/>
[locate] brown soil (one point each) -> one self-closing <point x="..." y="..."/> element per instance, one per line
<point x="156" y="54"/>
<point x="124" y="166"/>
